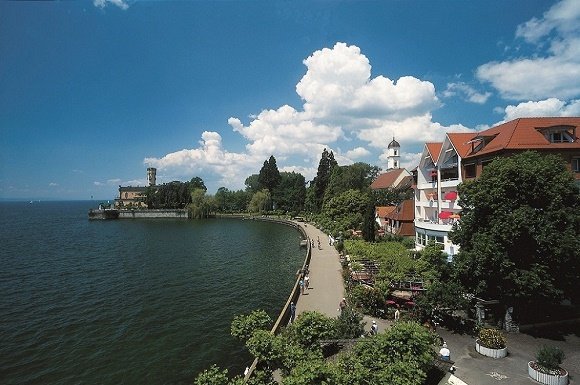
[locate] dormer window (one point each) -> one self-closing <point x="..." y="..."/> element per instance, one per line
<point x="559" y="134"/>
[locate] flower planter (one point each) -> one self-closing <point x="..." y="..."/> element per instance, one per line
<point x="488" y="352"/>
<point x="545" y="378"/>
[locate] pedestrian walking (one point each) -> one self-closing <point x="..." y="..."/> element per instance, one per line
<point x="342" y="305"/>
<point x="292" y="312"/>
<point x="444" y="353"/>
<point x="306" y="281"/>
<point x="301" y="283"/>
<point x="374" y="328"/>
<point x="397" y="315"/>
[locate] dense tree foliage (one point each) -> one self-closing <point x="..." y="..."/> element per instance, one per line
<point x="269" y="176"/>
<point x="520" y="230"/>
<point x="244" y="325"/>
<point x="391" y="196"/>
<point x="290" y="193"/>
<point x="173" y="195"/>
<point x="231" y="201"/>
<point x="261" y="202"/>
<point x="345" y="211"/>
<point x="358" y="176"/>
<point x="201" y="206"/>
<point x="252" y="183"/>
<point x="400" y="355"/>
<point x="325" y="166"/>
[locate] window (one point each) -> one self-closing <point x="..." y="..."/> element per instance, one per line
<point x="395" y="153"/>
<point x="484" y="163"/>
<point x="470" y="170"/>
<point x="559" y="137"/>
<point x="420" y="239"/>
<point x="576" y="164"/>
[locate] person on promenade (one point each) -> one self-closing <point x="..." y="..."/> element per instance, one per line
<point x="306" y="281"/>
<point x="292" y="312"/>
<point x="444" y="353"/>
<point x="374" y="328"/>
<point x="301" y="283"/>
<point x="342" y="305"/>
<point x="397" y="314"/>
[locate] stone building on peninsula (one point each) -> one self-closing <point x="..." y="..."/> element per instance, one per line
<point x="134" y="196"/>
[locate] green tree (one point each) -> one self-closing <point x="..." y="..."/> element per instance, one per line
<point x="269" y="176"/>
<point x="520" y="230"/>
<point x="260" y="202"/>
<point x="222" y="199"/>
<point x="197" y="183"/>
<point x="252" y="183"/>
<point x="243" y="326"/>
<point x="217" y="376"/>
<point x="201" y="206"/>
<point x="311" y="327"/>
<point x="400" y="355"/>
<point x="325" y="167"/>
<point x="349" y="324"/>
<point x="357" y="176"/>
<point x="291" y="192"/>
<point x="345" y="211"/>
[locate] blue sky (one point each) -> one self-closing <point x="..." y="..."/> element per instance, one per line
<point x="94" y="92"/>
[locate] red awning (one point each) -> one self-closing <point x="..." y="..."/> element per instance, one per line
<point x="450" y="196"/>
<point x="445" y="214"/>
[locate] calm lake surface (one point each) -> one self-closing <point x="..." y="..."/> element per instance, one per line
<point x="131" y="301"/>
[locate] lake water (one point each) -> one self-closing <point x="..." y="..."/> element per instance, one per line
<point x="131" y="301"/>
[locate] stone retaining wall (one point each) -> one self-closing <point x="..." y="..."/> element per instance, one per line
<point x="137" y="214"/>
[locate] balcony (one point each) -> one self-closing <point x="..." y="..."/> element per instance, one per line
<point x="440" y="225"/>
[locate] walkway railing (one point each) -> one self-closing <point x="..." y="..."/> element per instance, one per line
<point x="284" y="316"/>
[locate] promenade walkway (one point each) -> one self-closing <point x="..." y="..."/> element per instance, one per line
<point x="326" y="283"/>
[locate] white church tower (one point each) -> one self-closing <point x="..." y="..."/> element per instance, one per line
<point x="393" y="155"/>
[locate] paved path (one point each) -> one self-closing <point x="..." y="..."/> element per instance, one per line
<point x="475" y="369"/>
<point x="326" y="284"/>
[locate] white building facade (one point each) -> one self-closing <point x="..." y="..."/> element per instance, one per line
<point x="436" y="207"/>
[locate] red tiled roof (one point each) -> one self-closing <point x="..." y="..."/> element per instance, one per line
<point x="460" y="141"/>
<point x="524" y="134"/>
<point x="434" y="150"/>
<point x="387" y="180"/>
<point x="405" y="211"/>
<point x="407" y="229"/>
<point x="383" y="211"/>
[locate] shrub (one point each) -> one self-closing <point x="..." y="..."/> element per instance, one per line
<point x="492" y="338"/>
<point x="550" y="357"/>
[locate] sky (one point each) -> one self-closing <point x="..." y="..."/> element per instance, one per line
<point x="94" y="92"/>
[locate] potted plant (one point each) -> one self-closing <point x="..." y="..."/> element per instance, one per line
<point x="491" y="343"/>
<point x="546" y="369"/>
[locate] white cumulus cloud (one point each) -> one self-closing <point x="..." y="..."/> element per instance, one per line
<point x="553" y="72"/>
<point x="103" y="3"/>
<point x="357" y="153"/>
<point x="466" y="92"/>
<point x="547" y="107"/>
<point x="341" y="102"/>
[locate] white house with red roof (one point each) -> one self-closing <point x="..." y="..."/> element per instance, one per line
<point x="461" y="156"/>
